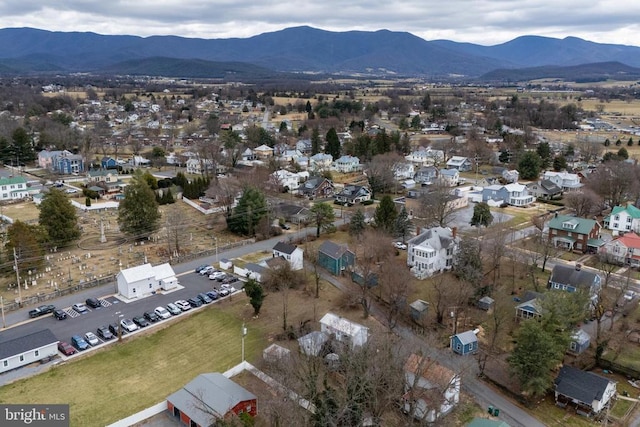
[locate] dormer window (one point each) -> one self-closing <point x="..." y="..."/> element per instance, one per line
<point x="569" y="225"/>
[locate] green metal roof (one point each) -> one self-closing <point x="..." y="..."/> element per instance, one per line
<point x="581" y="225"/>
<point x="13" y="180"/>
<point x="596" y="243"/>
<point x="631" y="210"/>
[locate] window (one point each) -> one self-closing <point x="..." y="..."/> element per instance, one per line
<point x="22" y="357"/>
<point x="5" y="363"/>
<point x="615" y="225"/>
<point x="37" y="353"/>
<point x="629" y="220"/>
<point x="150" y="286"/>
<point x="628" y="227"/>
<point x="617" y="217"/>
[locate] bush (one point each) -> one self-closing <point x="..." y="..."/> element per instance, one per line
<point x="87" y="201"/>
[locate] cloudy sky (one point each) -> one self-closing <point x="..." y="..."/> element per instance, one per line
<point x="484" y="22"/>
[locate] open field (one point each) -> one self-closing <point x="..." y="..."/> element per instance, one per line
<point x="127" y="377"/>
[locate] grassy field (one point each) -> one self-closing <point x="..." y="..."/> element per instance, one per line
<point x="130" y="376"/>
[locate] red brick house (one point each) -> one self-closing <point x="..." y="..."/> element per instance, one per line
<point x="575" y="234"/>
<point x="209" y="397"/>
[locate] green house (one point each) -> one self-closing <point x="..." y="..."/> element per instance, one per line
<point x="335" y="258"/>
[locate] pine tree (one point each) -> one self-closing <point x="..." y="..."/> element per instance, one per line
<point x="333" y="144"/>
<point x="403" y="225"/>
<point x="357" y="224"/>
<point x="385" y="214"/>
<point x="251" y="208"/>
<point x="138" y="213"/>
<point x="316" y="142"/>
<point x="58" y="218"/>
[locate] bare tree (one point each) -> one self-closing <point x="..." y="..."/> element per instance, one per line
<point x="175" y="225"/>
<point x="380" y="173"/>
<point x="282" y="278"/>
<point x="584" y="203"/>
<point x="373" y="251"/>
<point x="435" y="205"/>
<point x="394" y="283"/>
<point x="312" y="265"/>
<point x="495" y="246"/>
<point x="616" y="182"/>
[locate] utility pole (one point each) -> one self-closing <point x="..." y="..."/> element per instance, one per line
<point x="4" y="324"/>
<point x="15" y="267"/>
<point x="244" y="333"/>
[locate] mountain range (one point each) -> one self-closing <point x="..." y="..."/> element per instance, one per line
<point x="310" y="51"/>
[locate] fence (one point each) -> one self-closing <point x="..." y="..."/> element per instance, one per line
<point x="41" y="298"/>
<point x="201" y="209"/>
<point x="210" y="252"/>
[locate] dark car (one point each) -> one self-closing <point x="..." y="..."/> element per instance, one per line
<point x="114" y="328"/>
<point x="79" y="342"/>
<point x="194" y="302"/>
<point x="201" y="267"/>
<point x="140" y="321"/>
<point x="42" y="310"/>
<point x="229" y="279"/>
<point x="66" y="349"/>
<point x="105" y="333"/>
<point x="59" y="314"/>
<point x="151" y="316"/>
<point x="204" y="298"/>
<point x="93" y="302"/>
<point x="213" y="295"/>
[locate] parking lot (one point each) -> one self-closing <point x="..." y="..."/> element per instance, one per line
<point x="111" y="310"/>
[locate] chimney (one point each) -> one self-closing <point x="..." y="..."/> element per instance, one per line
<point x="475" y="331"/>
<point x="578" y="267"/>
<point x="418" y="231"/>
<point x="454" y="231"/>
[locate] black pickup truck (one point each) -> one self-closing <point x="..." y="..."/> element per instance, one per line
<point x="42" y="310"/>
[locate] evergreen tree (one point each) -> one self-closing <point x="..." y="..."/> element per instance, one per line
<point x="416" y="122"/>
<point x="322" y="216"/>
<point x="316" y="142"/>
<point x="385" y="214"/>
<point x="58" y="218"/>
<point x="607" y="142"/>
<point x="467" y="263"/>
<point x="138" y="213"/>
<point x="504" y="156"/>
<point x="357" y="224"/>
<point x="21" y="147"/>
<point x="544" y="151"/>
<point x="255" y="292"/>
<point x="529" y="165"/>
<point x="630" y="142"/>
<point x="404" y="148"/>
<point x="333" y="144"/>
<point x="403" y="225"/>
<point x="426" y="102"/>
<point x="251" y="208"/>
<point x="481" y="215"/>
<point x="623" y="153"/>
<point x="27" y="240"/>
<point x="559" y="163"/>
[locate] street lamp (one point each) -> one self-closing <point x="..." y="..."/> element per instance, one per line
<point x="244" y="334"/>
<point x="120" y="316"/>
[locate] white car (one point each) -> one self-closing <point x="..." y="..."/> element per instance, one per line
<point x="228" y="288"/>
<point x="80" y="307"/>
<point x="400" y="245"/>
<point x="91" y="338"/>
<point x="71" y="191"/>
<point x="216" y="275"/>
<point x="629" y="295"/>
<point x="162" y="312"/>
<point x="206" y="271"/>
<point x="183" y="305"/>
<point x="128" y="325"/>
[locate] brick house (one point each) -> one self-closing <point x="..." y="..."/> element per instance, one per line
<point x="575" y="234"/>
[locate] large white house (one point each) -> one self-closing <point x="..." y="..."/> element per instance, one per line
<point x="347" y="164"/>
<point x="623" y="219"/>
<point x="13" y="188"/>
<point x="144" y="280"/>
<point x="432" y="251"/>
<point x="344" y="330"/>
<point x="565" y="180"/>
<point x="426" y="157"/>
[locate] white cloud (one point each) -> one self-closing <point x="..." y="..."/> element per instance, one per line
<point x="477" y="21"/>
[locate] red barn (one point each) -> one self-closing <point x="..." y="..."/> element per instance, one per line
<point x="209" y="397"/>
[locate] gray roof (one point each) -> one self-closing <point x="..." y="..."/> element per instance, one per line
<point x="568" y="275"/>
<point x="467" y="337"/>
<point x="333" y="250"/>
<point x="438" y="235"/>
<point x="285" y="248"/>
<point x="580" y="385"/>
<point x="212" y="392"/>
<point x="256" y="268"/>
<point x="26" y="343"/>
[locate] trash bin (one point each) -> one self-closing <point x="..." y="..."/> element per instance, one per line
<point x="496" y="411"/>
<point x="490" y="410"/>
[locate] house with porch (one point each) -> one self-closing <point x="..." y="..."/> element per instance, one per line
<point x="320" y="162"/>
<point x="107" y="178"/>
<point x="572" y="279"/>
<point x="450" y="177"/>
<point x="316" y="187"/>
<point x="263" y="152"/>
<point x="61" y="161"/>
<point x="431" y="390"/>
<point x="426" y="175"/>
<point x="463" y="164"/>
<point x="210" y="397"/>
<point x="544" y="189"/>
<point x="623" y="219"/>
<point x="587" y="392"/>
<point x="623" y="249"/>
<point x="347" y="164"/>
<point x="352" y="194"/>
<point x="512" y="194"/>
<point x="565" y="180"/>
<point x="574" y="233"/>
<point x="432" y="251"/>
<point x="344" y="330"/>
<point x="13" y="188"/>
<point x="426" y="157"/>
<point x="530" y="306"/>
<point x="402" y="171"/>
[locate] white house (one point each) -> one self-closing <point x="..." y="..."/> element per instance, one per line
<point x="344" y="330"/>
<point x="198" y="166"/>
<point x="432" y="251"/>
<point x="13" y="188"/>
<point x="463" y="164"/>
<point x="450" y="177"/>
<point x="623" y="249"/>
<point x="293" y="254"/>
<point x="347" y="164"/>
<point x="139" y="161"/>
<point x="403" y="171"/>
<point x="623" y="219"/>
<point x="431" y="390"/>
<point x="426" y="157"/>
<point x="320" y="162"/>
<point x="144" y="280"/>
<point x="566" y="181"/>
<point x="27" y="349"/>
<point x="286" y="180"/>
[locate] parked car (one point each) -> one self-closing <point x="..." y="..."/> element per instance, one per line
<point x="141" y="321"/>
<point x="213" y="295"/>
<point x="128" y="325"/>
<point x="173" y="309"/>
<point x="80" y="307"/>
<point x="194" y="302"/>
<point x="229" y="279"/>
<point x="201" y="267"/>
<point x="207" y="270"/>
<point x="78" y="342"/>
<point x="229" y="288"/>
<point x="114" y="328"/>
<point x="59" y="314"/>
<point x="41" y="311"/>
<point x="105" y="333"/>
<point x="91" y="338"/>
<point x="204" y="298"/>
<point x="629" y="295"/>
<point x="223" y="292"/>
<point x="400" y="245"/>
<point x="66" y="348"/>
<point x="217" y="275"/>
<point x="183" y="305"/>
<point x="151" y="316"/>
<point x="162" y="313"/>
<point x="93" y="302"/>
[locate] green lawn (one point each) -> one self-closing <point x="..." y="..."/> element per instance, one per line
<point x="127" y="377"/>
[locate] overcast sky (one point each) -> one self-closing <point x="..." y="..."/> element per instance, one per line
<point x="483" y="22"/>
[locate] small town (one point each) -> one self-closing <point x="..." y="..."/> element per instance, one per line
<point x="325" y="250"/>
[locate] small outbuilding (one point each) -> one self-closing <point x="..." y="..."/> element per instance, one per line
<point x="464" y="343"/>
<point x="419" y="310"/>
<point x="145" y="279"/>
<point x="344" y="330"/>
<point x="275" y="353"/>
<point x="208" y="398"/>
<point x="312" y="343"/>
<point x="580" y="341"/>
<point x="485" y="303"/>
